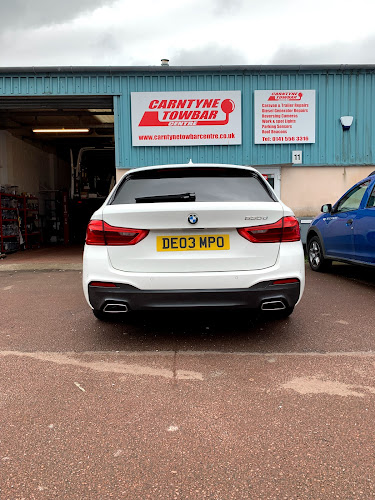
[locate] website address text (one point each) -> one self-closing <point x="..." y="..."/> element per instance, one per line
<point x="179" y="137"/>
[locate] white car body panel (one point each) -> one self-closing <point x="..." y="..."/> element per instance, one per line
<point x="290" y="262"/>
<point x="214" y="218"/>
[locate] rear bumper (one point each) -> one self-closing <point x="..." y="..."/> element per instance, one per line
<point x="249" y="298"/>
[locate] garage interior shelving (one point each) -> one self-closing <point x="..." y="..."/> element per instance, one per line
<point x="9" y="223"/>
<point x="19" y="222"/>
<point x="29" y="221"/>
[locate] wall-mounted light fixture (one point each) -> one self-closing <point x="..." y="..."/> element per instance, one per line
<point x="346" y="122"/>
<point x="61" y="130"/>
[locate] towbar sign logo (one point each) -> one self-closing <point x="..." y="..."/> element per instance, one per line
<point x="186" y="118"/>
<point x="285" y="96"/>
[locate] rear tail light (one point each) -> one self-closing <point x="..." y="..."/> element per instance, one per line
<point x="122" y="235"/>
<point x="101" y="233"/>
<point x="286" y="281"/>
<point x="291" y="230"/>
<point x="95" y="233"/>
<point x="285" y="229"/>
<point x="103" y="284"/>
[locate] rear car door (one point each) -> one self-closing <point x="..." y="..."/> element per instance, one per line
<point x="338" y="230"/>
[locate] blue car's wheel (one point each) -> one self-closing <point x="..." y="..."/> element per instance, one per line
<point x="315" y="254"/>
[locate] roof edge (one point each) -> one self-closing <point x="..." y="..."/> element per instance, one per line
<point x="183" y="69"/>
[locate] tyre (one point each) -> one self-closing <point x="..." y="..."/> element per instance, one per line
<point x="315" y="255"/>
<point x="284" y="313"/>
<point x="278" y="314"/>
<point x="101" y="315"/>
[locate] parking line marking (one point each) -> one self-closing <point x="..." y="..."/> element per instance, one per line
<point x="109" y="367"/>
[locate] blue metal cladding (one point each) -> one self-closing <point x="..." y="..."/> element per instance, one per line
<point x="340" y="91"/>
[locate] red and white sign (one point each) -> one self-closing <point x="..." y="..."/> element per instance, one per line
<point x="186" y="118"/>
<point x="284" y="116"/>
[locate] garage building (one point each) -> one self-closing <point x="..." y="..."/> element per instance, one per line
<point x="67" y="134"/>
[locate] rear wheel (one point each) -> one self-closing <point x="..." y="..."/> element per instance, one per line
<point x="284" y="313"/>
<point x="101" y="315"/>
<point x="278" y="314"/>
<point x="315" y="254"/>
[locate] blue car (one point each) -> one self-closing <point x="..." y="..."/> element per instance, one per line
<point x="345" y="231"/>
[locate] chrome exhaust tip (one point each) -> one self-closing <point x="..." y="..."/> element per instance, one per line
<point x="273" y="305"/>
<point x="114" y="308"/>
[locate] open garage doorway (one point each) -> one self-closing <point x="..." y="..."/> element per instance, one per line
<point x="57" y="159"/>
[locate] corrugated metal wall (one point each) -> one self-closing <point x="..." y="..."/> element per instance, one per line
<point x="338" y="92"/>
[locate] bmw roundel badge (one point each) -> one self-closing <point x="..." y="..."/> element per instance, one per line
<point x="193" y="219"/>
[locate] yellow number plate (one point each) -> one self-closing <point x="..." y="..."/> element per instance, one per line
<point x="190" y="243"/>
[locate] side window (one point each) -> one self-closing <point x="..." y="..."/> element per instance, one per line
<point x="353" y="199"/>
<point x="371" y="200"/>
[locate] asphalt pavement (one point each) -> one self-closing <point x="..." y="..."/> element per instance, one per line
<point x="212" y="405"/>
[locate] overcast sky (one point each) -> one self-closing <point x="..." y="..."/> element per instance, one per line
<point x="188" y="32"/>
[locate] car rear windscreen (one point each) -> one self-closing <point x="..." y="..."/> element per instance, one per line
<point x="192" y="184"/>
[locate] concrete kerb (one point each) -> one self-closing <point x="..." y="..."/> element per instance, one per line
<point x="57" y="258"/>
<point x="39" y="267"/>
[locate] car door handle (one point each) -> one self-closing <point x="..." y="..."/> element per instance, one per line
<point x="350" y="222"/>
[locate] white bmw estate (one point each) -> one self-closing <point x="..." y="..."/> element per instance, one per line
<point x="193" y="236"/>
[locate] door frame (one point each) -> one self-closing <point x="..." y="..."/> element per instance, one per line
<point x="276" y="173"/>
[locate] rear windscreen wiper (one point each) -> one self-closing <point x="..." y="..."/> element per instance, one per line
<point x="166" y="198"/>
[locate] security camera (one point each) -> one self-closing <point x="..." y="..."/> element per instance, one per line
<point x="346" y="122"/>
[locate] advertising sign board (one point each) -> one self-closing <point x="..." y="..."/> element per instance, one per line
<point x="186" y="118"/>
<point x="284" y="116"/>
